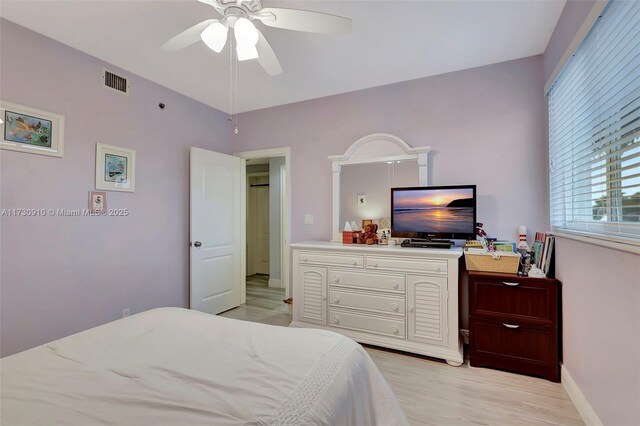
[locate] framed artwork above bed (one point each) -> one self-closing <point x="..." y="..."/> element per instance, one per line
<point x="31" y="130"/>
<point x="115" y="168"/>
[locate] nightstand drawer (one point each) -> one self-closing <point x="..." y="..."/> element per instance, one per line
<point x="513" y="299"/>
<point x="514" y="347"/>
<point x="381" y="303"/>
<point x="330" y="259"/>
<point x="513" y="341"/>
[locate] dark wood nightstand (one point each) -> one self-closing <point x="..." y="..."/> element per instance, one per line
<point x="514" y="323"/>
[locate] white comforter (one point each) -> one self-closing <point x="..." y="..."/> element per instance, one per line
<point x="173" y="366"/>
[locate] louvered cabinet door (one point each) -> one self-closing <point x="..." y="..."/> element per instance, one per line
<point x="313" y="283"/>
<point x="427" y="306"/>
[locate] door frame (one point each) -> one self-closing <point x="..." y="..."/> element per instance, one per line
<point x="285" y="214"/>
<point x="249" y="176"/>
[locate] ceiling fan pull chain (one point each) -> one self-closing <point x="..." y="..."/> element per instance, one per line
<point x="231" y="79"/>
<point x="236" y="129"/>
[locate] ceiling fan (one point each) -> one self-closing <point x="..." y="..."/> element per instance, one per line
<point x="250" y="43"/>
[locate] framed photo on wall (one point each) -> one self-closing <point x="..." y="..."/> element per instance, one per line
<point x="97" y="201"/>
<point x="115" y="168"/>
<point x="31" y="130"/>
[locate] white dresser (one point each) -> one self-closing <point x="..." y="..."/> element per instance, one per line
<point x="390" y="296"/>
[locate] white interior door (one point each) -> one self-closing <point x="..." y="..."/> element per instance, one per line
<point x="217" y="189"/>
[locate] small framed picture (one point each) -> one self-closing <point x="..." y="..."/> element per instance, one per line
<point x="97" y="201"/>
<point x="115" y="168"/>
<point x="31" y="130"/>
<point x="362" y="200"/>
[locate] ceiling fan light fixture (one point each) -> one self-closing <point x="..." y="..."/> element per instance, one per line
<point x="246" y="52"/>
<point x="245" y="32"/>
<point x="215" y="36"/>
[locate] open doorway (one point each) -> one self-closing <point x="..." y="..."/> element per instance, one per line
<point x="267" y="236"/>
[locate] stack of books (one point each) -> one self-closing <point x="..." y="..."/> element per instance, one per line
<point x="543" y="251"/>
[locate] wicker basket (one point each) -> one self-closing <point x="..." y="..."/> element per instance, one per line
<point x="493" y="262"/>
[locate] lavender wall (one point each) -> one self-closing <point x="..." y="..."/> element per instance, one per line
<point x="572" y="17"/>
<point x="601" y="295"/>
<point x="60" y="275"/>
<point x="486" y="126"/>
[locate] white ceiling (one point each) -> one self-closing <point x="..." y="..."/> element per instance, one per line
<point x="391" y="41"/>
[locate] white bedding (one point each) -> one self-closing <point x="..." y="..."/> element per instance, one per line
<point x="173" y="366"/>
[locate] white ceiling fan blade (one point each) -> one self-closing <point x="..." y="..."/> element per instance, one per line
<point x="187" y="37"/>
<point x="215" y="4"/>
<point x="267" y="58"/>
<point x="304" y="20"/>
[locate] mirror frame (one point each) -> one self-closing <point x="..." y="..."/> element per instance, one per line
<point x="374" y="148"/>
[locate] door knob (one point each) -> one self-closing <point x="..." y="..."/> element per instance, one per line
<point x="197" y="244"/>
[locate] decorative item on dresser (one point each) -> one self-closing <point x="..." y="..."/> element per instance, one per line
<point x="514" y="323"/>
<point x="404" y="299"/>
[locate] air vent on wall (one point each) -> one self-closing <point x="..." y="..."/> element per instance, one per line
<point x="115" y="82"/>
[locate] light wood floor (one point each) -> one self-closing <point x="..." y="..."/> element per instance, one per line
<point x="264" y="304"/>
<point x="433" y="393"/>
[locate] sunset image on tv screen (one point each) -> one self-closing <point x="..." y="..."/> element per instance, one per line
<point x="434" y="211"/>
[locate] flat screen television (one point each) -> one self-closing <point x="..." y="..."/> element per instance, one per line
<point x="434" y="212"/>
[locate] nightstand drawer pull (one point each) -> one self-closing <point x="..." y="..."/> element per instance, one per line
<point x="511" y="325"/>
<point x="510" y="284"/>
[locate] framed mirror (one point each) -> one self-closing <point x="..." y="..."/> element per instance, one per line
<point x="364" y="174"/>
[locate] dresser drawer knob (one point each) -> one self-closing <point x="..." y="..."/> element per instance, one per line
<point x="336" y="320"/>
<point x="305" y="260"/>
<point x="336" y="280"/>
<point x="411" y="310"/>
<point x="336" y="299"/>
<point x="324" y="298"/>
<point x="394" y="330"/>
<point x="355" y="263"/>
<point x="375" y="265"/>
<point x="510" y="284"/>
<point x="438" y="270"/>
<point x="512" y="326"/>
<point x="395" y="307"/>
<point x="395" y="284"/>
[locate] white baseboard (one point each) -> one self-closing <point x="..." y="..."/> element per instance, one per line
<point x="577" y="397"/>
<point x="275" y="283"/>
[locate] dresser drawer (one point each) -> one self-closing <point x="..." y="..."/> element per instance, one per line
<point x="511" y="298"/>
<point x="406" y="264"/>
<point x="368" y="302"/>
<point x="368" y="280"/>
<point x="330" y="259"/>
<point x="368" y="323"/>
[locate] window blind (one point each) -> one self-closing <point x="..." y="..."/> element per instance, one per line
<point x="594" y="131"/>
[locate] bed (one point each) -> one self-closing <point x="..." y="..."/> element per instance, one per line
<point x="173" y="366"/>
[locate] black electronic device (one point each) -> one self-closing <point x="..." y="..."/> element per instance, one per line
<point x="420" y="243"/>
<point x="432" y="212"/>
